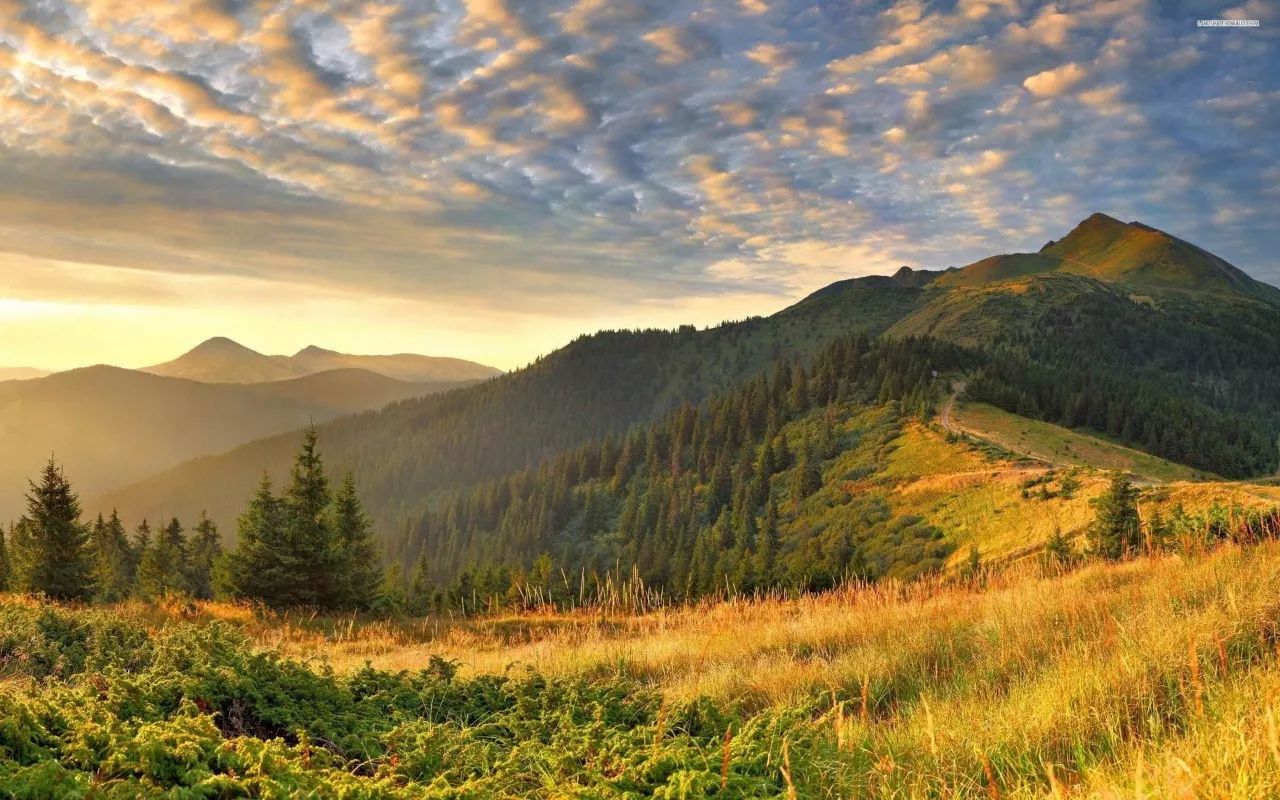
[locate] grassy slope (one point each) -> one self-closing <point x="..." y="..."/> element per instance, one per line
<point x="1154" y="678"/>
<point x="1065" y="447"/>
<point x="974" y="491"/>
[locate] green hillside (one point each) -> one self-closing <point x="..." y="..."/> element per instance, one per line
<point x="1189" y="376"/>
<point x="1109" y="250"/>
<point x="595" y="385"/>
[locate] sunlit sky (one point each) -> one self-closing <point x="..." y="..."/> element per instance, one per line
<point x="489" y="178"/>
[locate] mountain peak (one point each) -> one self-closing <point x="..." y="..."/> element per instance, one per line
<point x="1098" y="219"/>
<point x="313" y="350"/>
<point x="218" y="343"/>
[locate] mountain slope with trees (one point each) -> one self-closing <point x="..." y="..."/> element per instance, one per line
<point x="1187" y="369"/>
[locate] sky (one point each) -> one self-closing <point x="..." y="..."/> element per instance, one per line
<point x="488" y="179"/>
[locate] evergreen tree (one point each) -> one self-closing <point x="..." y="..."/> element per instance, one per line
<point x="358" y="576"/>
<point x="203" y="551"/>
<point x="1058" y="552"/>
<point x="807" y="477"/>
<point x="162" y="570"/>
<point x="141" y="541"/>
<point x="112" y="559"/>
<point x="1116" y="532"/>
<point x="52" y="551"/>
<point x="306" y="547"/>
<point x="392" y="598"/>
<point x="421" y="592"/>
<point x="258" y="568"/>
<point x="312" y="550"/>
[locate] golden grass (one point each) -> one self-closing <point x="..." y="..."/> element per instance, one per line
<point x="1153" y="678"/>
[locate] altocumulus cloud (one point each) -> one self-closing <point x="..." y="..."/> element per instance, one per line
<point x="513" y="155"/>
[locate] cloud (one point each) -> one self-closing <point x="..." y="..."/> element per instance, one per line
<point x="671" y="41"/>
<point x="492" y="153"/>
<point x="1053" y="82"/>
<point x="965" y="65"/>
<point x="987" y="162"/>
<point x="1050" y="28"/>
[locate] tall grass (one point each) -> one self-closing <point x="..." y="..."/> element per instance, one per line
<point x="1152" y="678"/>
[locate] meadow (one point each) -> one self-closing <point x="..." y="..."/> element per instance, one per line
<point x="1156" y="677"/>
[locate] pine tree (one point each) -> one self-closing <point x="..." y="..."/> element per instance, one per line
<point x="807" y="477"/>
<point x="358" y="576"/>
<point x="392" y="598"/>
<point x="312" y="552"/>
<point x="1058" y="551"/>
<point x="112" y="559"/>
<point x="258" y="569"/>
<point x="52" y="551"/>
<point x="421" y="592"/>
<point x="767" y="546"/>
<point x="162" y="571"/>
<point x="1116" y="531"/>
<point x="203" y="551"/>
<point x="141" y="541"/>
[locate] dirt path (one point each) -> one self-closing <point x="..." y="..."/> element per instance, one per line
<point x="947" y="419"/>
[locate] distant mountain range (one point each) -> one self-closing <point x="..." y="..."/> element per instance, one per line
<point x="110" y="426"/>
<point x="1114" y="306"/>
<point x="20" y="373"/>
<point x="221" y="360"/>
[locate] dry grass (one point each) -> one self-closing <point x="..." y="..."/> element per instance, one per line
<point x="1153" y="678"/>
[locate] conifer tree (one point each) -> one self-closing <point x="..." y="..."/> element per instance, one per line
<point x="312" y="552"/>
<point x="358" y="577"/>
<point x="392" y="598"/>
<point x="141" y="541"/>
<point x="162" y="570"/>
<point x="807" y="477"/>
<point x="112" y="559"/>
<point x="421" y="591"/>
<point x="257" y="569"/>
<point x="1057" y="550"/>
<point x="52" y="550"/>
<point x="1116" y="531"/>
<point x="203" y="551"/>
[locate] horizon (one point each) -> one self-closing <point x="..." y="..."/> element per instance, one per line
<point x="295" y="349"/>
<point x="488" y="180"/>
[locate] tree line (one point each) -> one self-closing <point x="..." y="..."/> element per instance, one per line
<point x="308" y="546"/>
<point x="1192" y="381"/>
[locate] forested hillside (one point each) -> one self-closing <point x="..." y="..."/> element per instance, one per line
<point x="598" y="384"/>
<point x="1178" y="355"/>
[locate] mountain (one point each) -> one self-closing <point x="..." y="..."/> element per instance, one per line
<point x="20" y="373"/>
<point x="402" y="366"/>
<point x="1153" y="343"/>
<point x="221" y="360"/>
<point x="110" y="426"/>
<point x="1129" y="254"/>
<point x="346" y="391"/>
